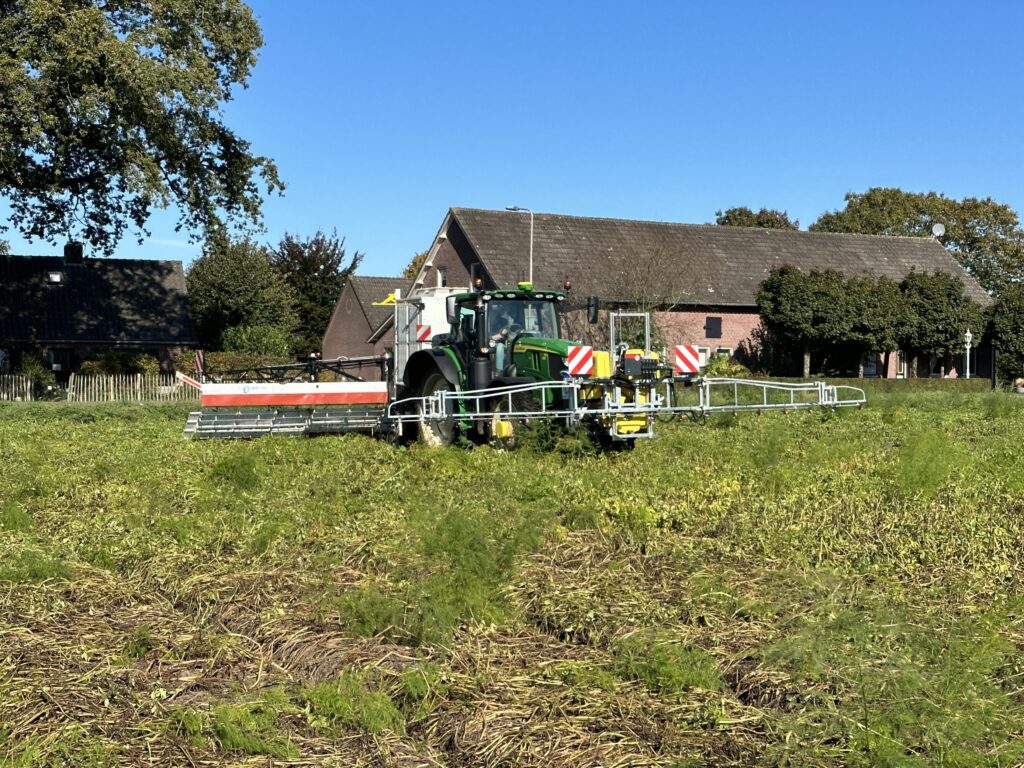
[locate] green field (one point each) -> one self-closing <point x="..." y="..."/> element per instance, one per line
<point x="801" y="589"/>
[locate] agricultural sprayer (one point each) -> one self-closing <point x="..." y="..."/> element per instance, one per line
<point x="499" y="363"/>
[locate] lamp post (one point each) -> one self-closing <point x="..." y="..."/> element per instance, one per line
<point x="968" y="337"/>
<point x="517" y="209"/>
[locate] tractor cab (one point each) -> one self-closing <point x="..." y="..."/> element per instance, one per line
<point x="505" y="332"/>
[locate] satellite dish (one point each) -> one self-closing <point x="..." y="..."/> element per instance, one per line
<point x="938" y="230"/>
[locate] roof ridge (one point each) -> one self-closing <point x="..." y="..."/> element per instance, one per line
<point x="87" y="260"/>
<point x="705" y="225"/>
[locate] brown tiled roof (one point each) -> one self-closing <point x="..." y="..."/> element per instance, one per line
<point x="375" y="289"/>
<point x="104" y="301"/>
<point x="715" y="265"/>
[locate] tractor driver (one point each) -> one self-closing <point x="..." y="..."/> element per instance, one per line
<point x="504" y="322"/>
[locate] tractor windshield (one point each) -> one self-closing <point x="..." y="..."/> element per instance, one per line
<point x="533" y="317"/>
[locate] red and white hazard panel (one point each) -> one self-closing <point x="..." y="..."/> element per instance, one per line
<point x="296" y="393"/>
<point x="581" y="361"/>
<point x="687" y="359"/>
<point x="422" y="332"/>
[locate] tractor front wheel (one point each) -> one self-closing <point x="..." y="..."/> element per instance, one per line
<point x="435" y="432"/>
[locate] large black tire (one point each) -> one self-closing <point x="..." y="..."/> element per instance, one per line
<point x="437" y="433"/>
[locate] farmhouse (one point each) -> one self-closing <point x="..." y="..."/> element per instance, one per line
<point x="361" y="322"/>
<point x="75" y="308"/>
<point x="703" y="278"/>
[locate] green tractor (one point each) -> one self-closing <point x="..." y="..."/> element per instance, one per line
<point x="499" y="340"/>
<point x="496" y="339"/>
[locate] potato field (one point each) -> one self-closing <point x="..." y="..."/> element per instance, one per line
<point x="802" y="589"/>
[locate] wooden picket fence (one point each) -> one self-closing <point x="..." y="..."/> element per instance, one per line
<point x="15" y="387"/>
<point x="138" y="388"/>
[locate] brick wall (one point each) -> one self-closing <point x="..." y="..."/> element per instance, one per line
<point x="699" y="328"/>
<point x="447" y="258"/>
<point x="348" y="330"/>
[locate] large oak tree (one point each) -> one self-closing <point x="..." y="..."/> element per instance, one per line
<point x="111" y="109"/>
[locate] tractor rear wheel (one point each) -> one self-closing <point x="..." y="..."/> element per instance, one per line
<point x="435" y="432"/>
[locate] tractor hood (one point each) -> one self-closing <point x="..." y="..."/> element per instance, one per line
<point x="558" y="347"/>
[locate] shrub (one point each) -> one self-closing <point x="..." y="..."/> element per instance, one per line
<point x="725" y="367"/>
<point x="44" y="383"/>
<point x="120" y="363"/>
<point x="261" y="340"/>
<point x="185" y="361"/>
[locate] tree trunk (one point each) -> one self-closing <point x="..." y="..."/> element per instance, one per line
<point x="807" y="363"/>
<point x="885" y="364"/>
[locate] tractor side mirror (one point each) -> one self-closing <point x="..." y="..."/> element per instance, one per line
<point x="451" y="310"/>
<point x="592" y="309"/>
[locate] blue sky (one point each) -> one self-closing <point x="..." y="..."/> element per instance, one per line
<point x="382" y="115"/>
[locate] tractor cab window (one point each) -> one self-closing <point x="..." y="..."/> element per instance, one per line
<point x="467" y="324"/>
<point x="537" y="318"/>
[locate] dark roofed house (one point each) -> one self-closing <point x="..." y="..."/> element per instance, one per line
<point x="76" y="308"/>
<point x="362" y="318"/>
<point x="707" y="275"/>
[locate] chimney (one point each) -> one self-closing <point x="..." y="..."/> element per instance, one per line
<point x="74" y="253"/>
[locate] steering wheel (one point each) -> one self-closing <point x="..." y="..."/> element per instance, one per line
<point x="514" y="337"/>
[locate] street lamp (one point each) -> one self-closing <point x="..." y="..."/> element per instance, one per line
<point x="968" y="337"/>
<point x="517" y="209"/>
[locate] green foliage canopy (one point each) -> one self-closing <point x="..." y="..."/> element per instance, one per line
<point x="236" y="284"/>
<point x="984" y="236"/>
<point x="880" y="315"/>
<point x="766" y="218"/>
<point x="108" y="110"/>
<point x="1007" y="315"/>
<point x="939" y="312"/>
<point x="316" y="271"/>
<point x="822" y="310"/>
<point x="258" y="340"/>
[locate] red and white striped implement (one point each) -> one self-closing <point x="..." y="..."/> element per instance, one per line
<point x="187" y="379"/>
<point x="422" y="332"/>
<point x="243" y="394"/>
<point x="580" y="361"/>
<point x="687" y="359"/>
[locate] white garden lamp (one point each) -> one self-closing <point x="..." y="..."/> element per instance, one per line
<point x="968" y="338"/>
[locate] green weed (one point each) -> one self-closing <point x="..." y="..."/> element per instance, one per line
<point x="33" y="565"/>
<point x="139" y="644"/>
<point x="585" y="675"/>
<point x="71" y="746"/>
<point x="14" y="518"/>
<point x="370" y="612"/>
<point x="251" y="728"/>
<point x="345" y="703"/>
<point x="664" y="666"/>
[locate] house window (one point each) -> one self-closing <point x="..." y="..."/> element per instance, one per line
<point x="54" y="277"/>
<point x="725" y="352"/>
<point x="442" y="277"/>
<point x="713" y="327"/>
<point x="704" y="354"/>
